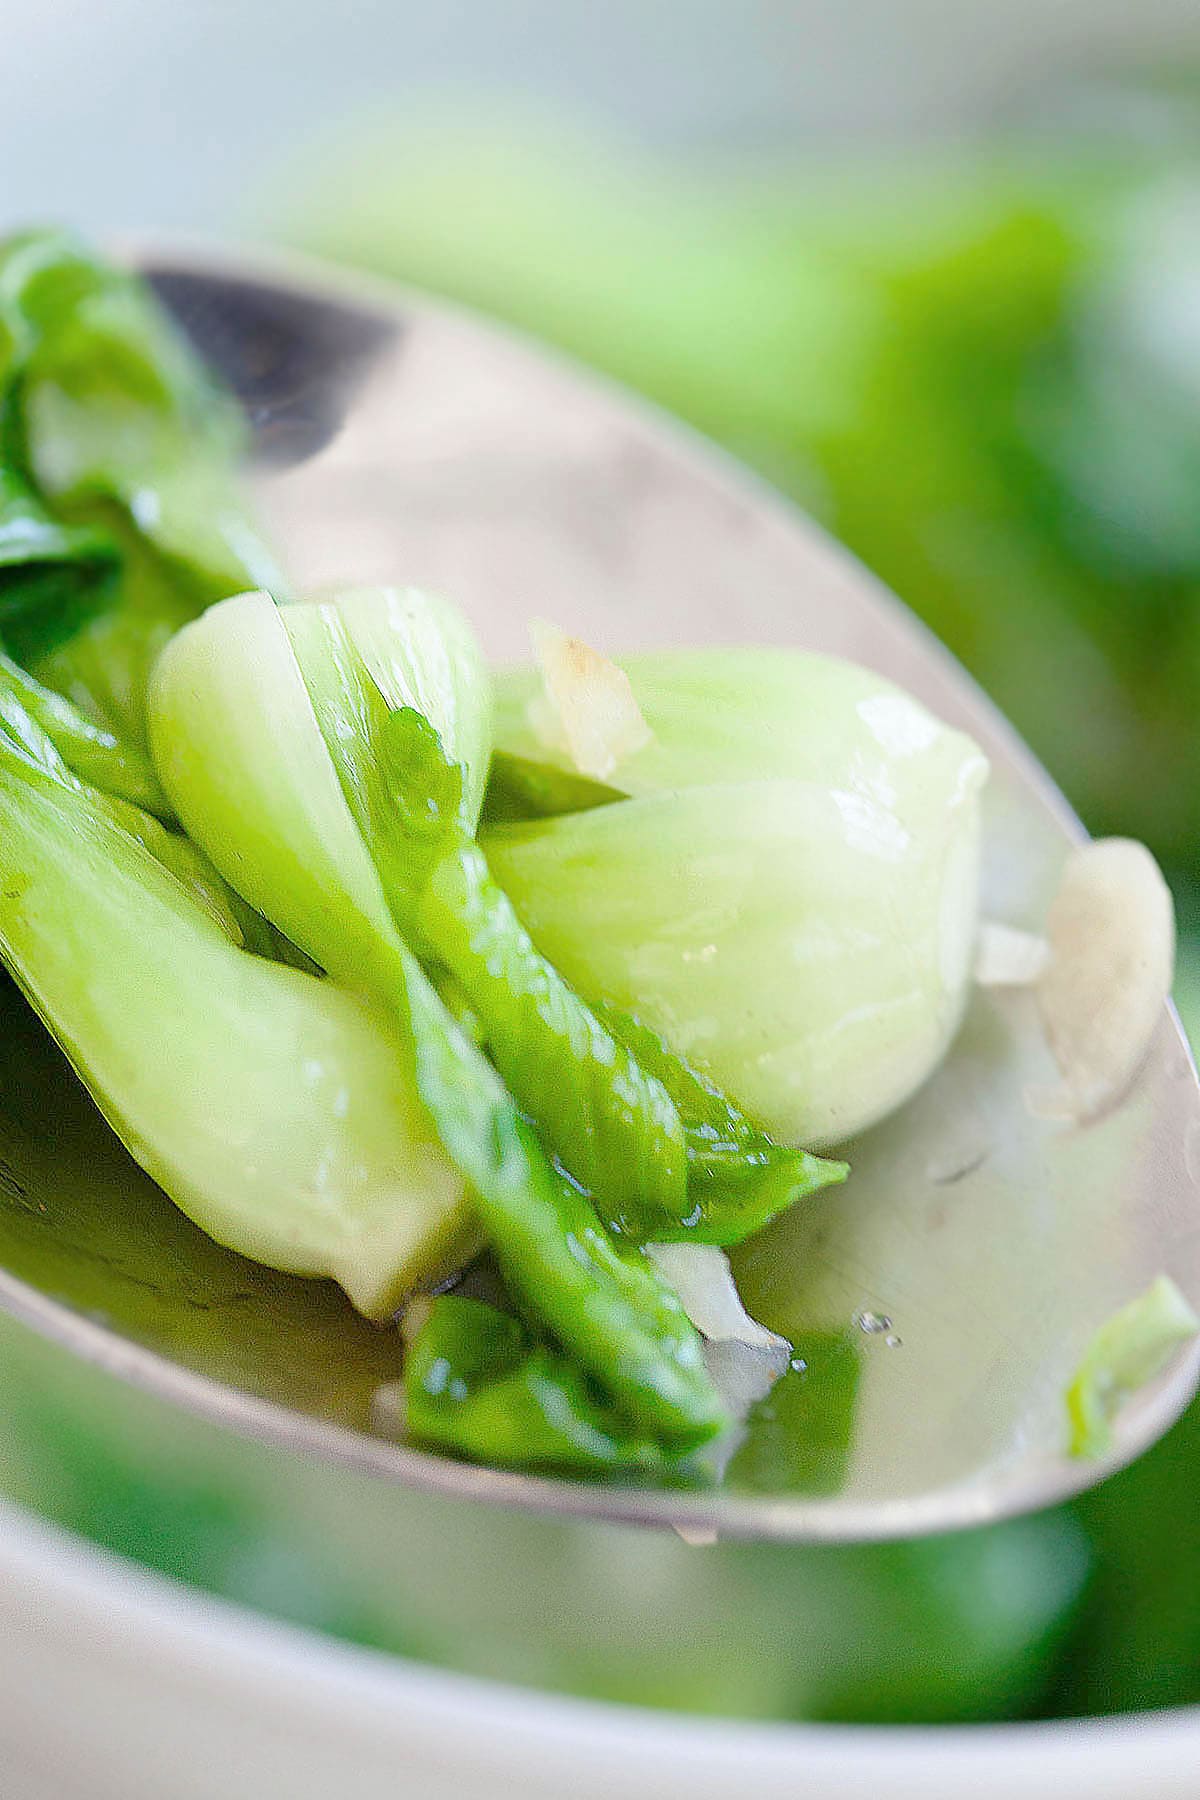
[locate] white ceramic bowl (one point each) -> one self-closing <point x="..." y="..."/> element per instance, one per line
<point x="119" y="1685"/>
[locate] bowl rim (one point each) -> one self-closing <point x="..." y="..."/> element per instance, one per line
<point x="103" y="1597"/>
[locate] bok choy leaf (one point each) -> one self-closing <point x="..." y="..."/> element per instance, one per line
<point x="270" y="1105"/>
<point x="266" y="719"/>
<point x="120" y="516"/>
<point x="288" y="796"/>
<point x="91" y="751"/>
<point x="787" y="890"/>
<point x="738" y="1177"/>
<point x="478" y="1384"/>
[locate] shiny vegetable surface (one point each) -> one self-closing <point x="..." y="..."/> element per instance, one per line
<point x="269" y="1104"/>
<point x="329" y="810"/>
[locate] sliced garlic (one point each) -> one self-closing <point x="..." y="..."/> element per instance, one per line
<point x="1111" y="932"/>
<point x="743" y="1358"/>
<point x="586" y="706"/>
<point x="1006" y="957"/>
<point x="700" y="1274"/>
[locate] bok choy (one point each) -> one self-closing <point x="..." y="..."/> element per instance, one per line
<point x="721" y="909"/>
<point x="120" y="512"/>
<point x="330" y="810"/>
<point x="272" y="1106"/>
<point x="784" y="883"/>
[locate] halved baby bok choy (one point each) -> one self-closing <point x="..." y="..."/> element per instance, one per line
<point x="780" y="879"/>
<point x="330" y="759"/>
<point x="272" y="1106"/>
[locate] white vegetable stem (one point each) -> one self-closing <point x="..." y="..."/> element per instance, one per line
<point x="789" y="894"/>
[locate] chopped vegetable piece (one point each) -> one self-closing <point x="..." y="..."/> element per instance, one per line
<point x="738" y="1179"/>
<point x="478" y="1384"/>
<point x="271" y="1106"/>
<point x="806" y="948"/>
<point x="1129" y="1350"/>
<point x="287" y="796"/>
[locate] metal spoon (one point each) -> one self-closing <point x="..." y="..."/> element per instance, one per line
<point x="951" y="1287"/>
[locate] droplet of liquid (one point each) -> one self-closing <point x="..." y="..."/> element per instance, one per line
<point x="799" y="1364"/>
<point x="874" y="1324"/>
<point x="893" y="1342"/>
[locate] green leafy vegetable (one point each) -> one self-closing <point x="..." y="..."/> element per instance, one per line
<point x="738" y="1178"/>
<point x="286" y="793"/>
<point x="91" y="751"/>
<point x="387" y="649"/>
<point x="610" y="1120"/>
<point x="604" y="1304"/>
<point x="175" y="852"/>
<point x="257" y="712"/>
<point x="823" y="827"/>
<point x="1127" y="1352"/>
<point x="524" y="787"/>
<point x="53" y="576"/>
<point x="820" y="964"/>
<point x="120" y="516"/>
<point x="616" y="1130"/>
<point x="270" y="1105"/>
<point x="478" y="1384"/>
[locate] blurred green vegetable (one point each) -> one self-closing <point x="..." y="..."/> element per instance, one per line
<point x="1137" y="1643"/>
<point x="120" y="515"/>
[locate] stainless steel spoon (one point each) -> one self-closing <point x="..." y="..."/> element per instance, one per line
<point x="958" y="1277"/>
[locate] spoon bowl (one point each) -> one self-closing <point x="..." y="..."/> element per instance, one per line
<point x="941" y="1300"/>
